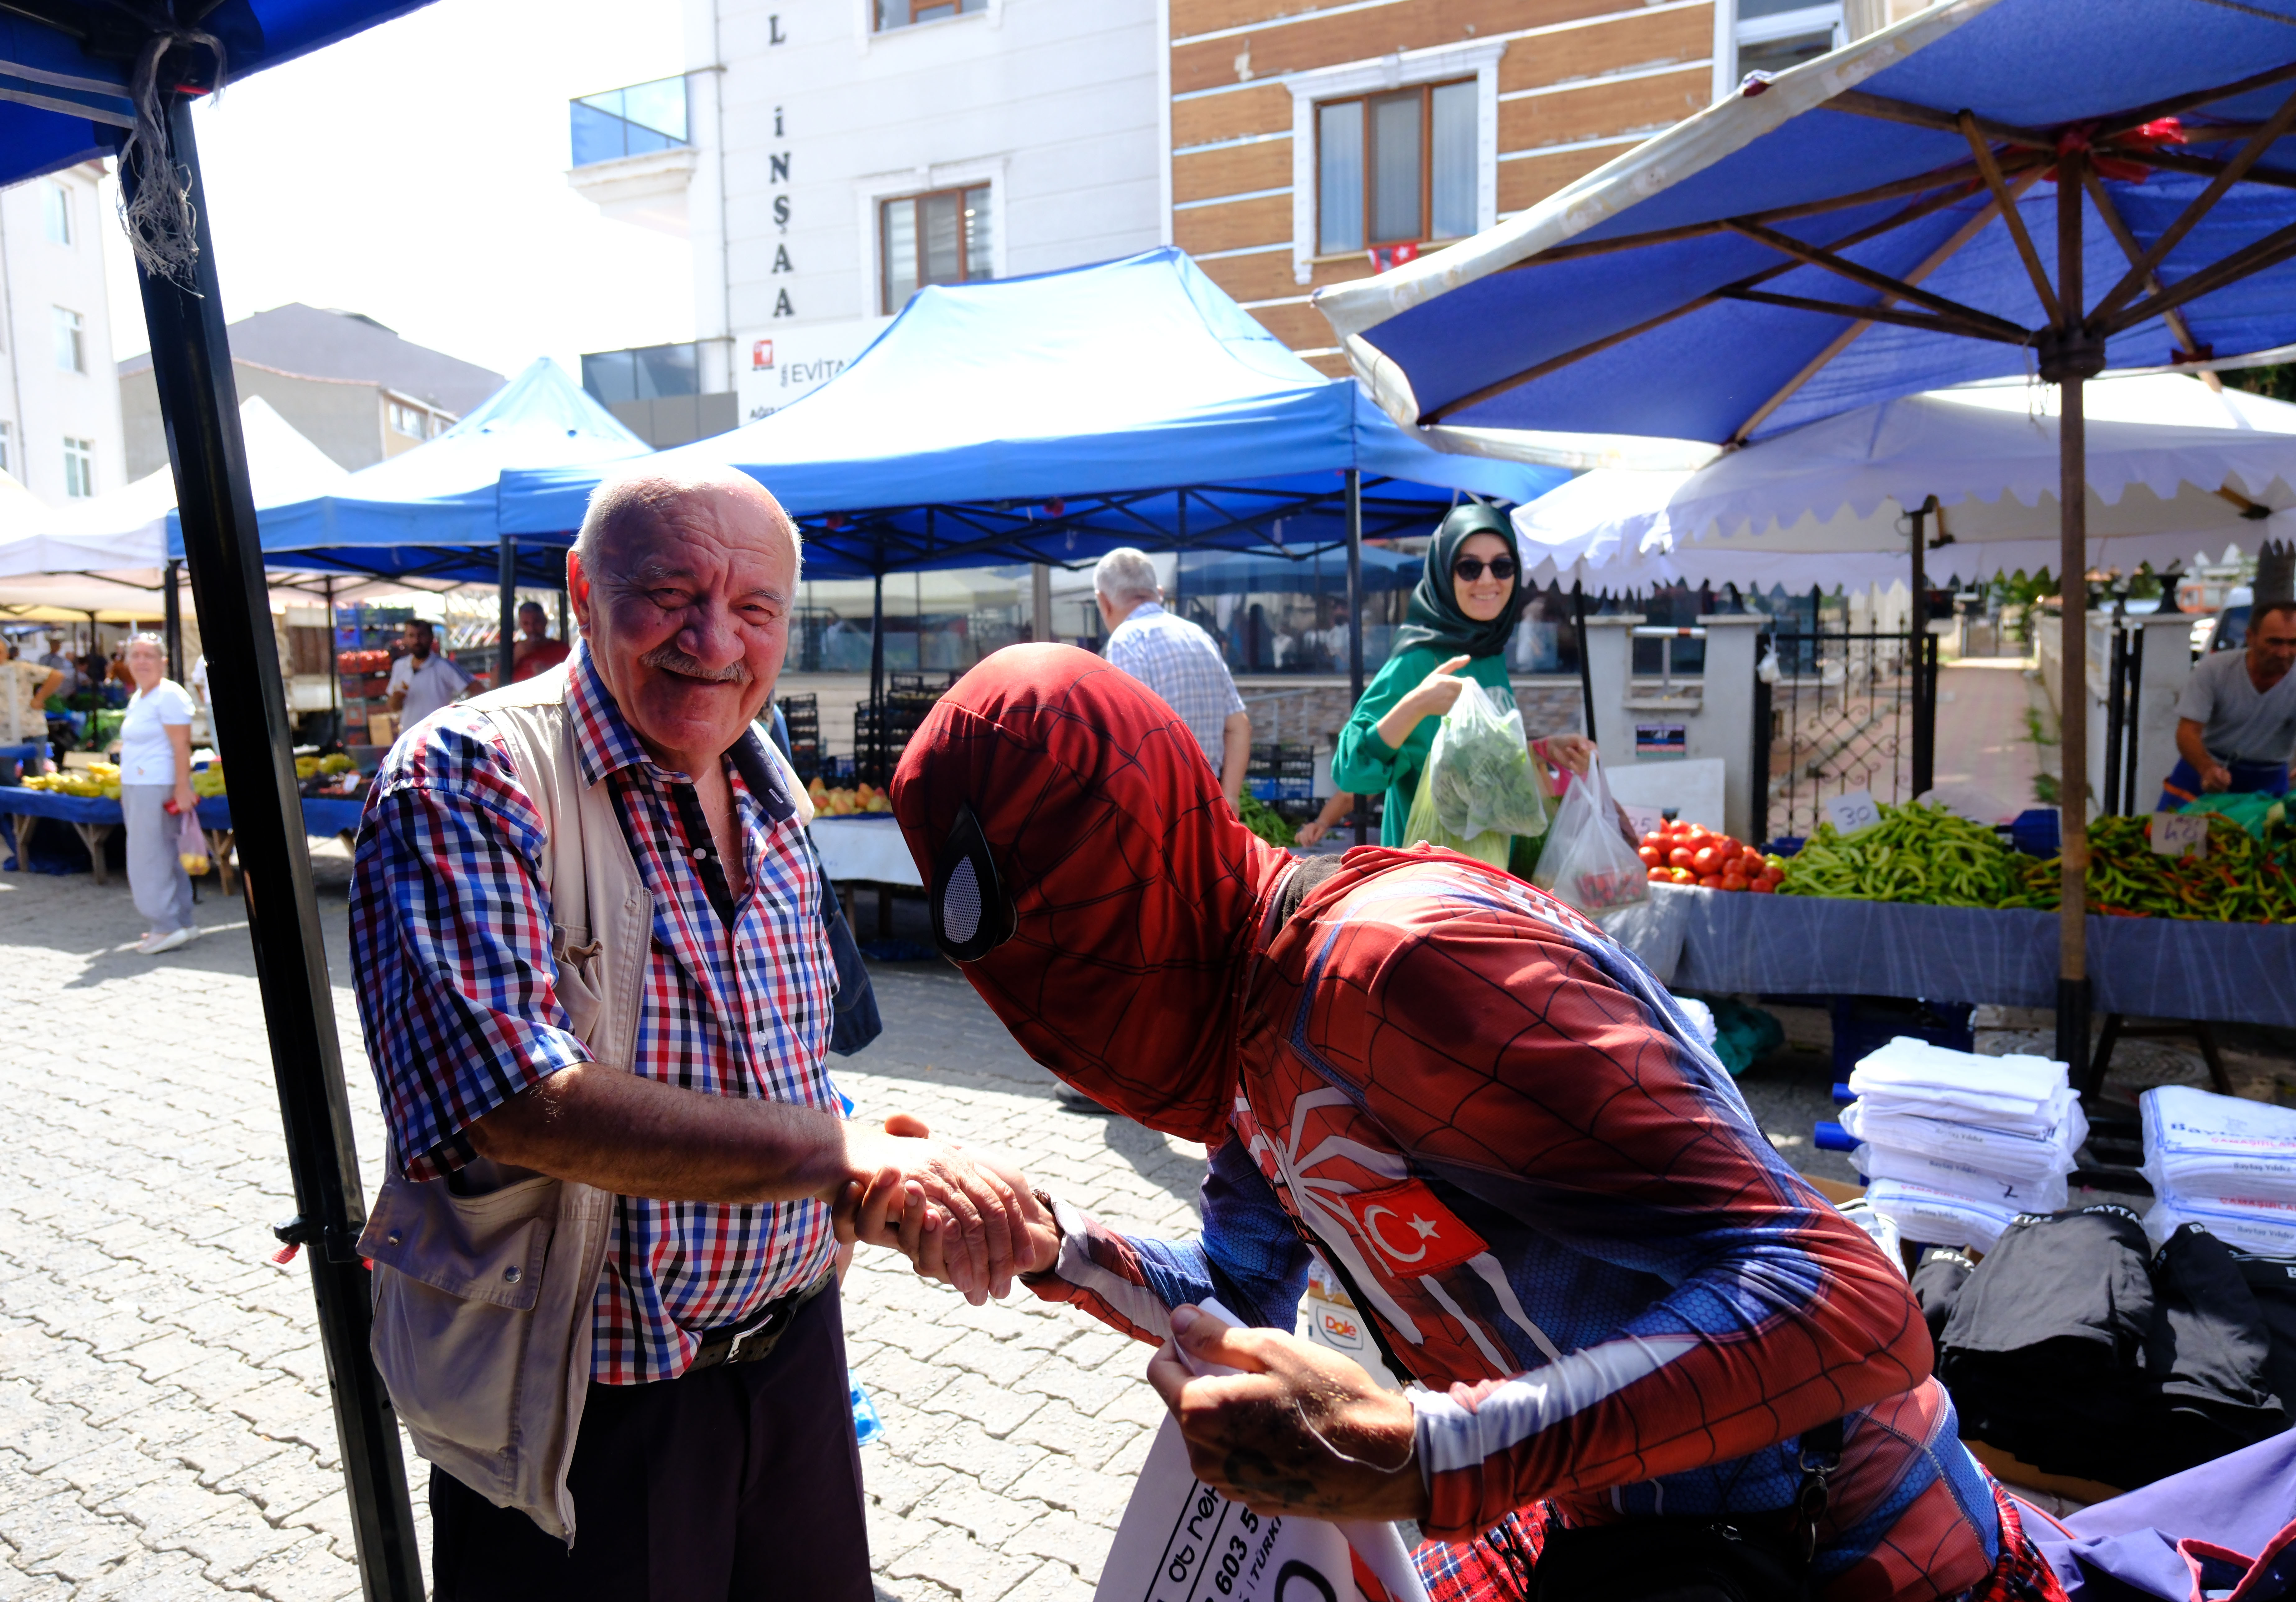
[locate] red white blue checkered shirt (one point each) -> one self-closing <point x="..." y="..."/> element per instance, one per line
<point x="1182" y="664"/>
<point x="450" y="946"/>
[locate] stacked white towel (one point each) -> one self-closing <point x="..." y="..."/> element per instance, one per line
<point x="2226" y="1164"/>
<point x="1955" y="1145"/>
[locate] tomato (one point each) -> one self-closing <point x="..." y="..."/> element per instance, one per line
<point x="1763" y="887"/>
<point x="1707" y="861"/>
<point x="1733" y="880"/>
<point x="1652" y="856"/>
<point x="1660" y="875"/>
<point x="1655" y="837"/>
<point x="1682" y="875"/>
<point x="1710" y="881"/>
<point x="1681" y="857"/>
<point x="1770" y="878"/>
<point x="1751" y="864"/>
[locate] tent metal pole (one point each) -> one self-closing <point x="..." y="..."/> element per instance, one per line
<point x="506" y="575"/>
<point x="877" y="674"/>
<point x="1916" y="638"/>
<point x="191" y="364"/>
<point x="1586" y="672"/>
<point x="1355" y="619"/>
<point x="334" y="675"/>
<point x="1040" y="603"/>
<point x="2070" y="356"/>
<point x="172" y="610"/>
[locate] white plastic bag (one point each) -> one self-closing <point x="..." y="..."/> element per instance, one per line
<point x="1182" y="1542"/>
<point x="1587" y="861"/>
<point x="1479" y="789"/>
<point x="191" y="846"/>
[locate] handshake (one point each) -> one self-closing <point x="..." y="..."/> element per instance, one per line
<point x="961" y="1217"/>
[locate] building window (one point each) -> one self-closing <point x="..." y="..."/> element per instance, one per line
<point x="411" y="421"/>
<point x="1773" y="35"/>
<point x="644" y="373"/>
<point x="900" y="13"/>
<point x="938" y="238"/>
<point x="71" y="342"/>
<point x="7" y="448"/>
<point x="79" y="468"/>
<point x="1395" y="168"/>
<point x="56" y="212"/>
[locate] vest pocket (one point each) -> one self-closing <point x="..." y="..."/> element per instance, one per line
<point x="456" y="1283"/>
<point x="581" y="983"/>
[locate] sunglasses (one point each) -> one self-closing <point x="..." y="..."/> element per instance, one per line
<point x="1467" y="569"/>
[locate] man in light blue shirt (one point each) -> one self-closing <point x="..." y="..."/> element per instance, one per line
<point x="1176" y="660"/>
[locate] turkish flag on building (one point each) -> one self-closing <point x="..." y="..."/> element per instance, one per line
<point x="1411" y="1231"/>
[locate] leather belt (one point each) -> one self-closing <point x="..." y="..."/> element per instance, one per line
<point x="755" y="1340"/>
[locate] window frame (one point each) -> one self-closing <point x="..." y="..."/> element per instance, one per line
<point x="877" y="31"/>
<point x="79" y="468"/>
<point x="8" y="449"/>
<point x="1426" y="93"/>
<point x="882" y="205"/>
<point x="1409" y="68"/>
<point x="1782" y="25"/>
<point x="76" y="330"/>
<point x="56" y="207"/>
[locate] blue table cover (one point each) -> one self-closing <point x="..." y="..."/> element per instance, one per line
<point x="1730" y="943"/>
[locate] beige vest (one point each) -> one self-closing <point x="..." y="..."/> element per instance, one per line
<point x="483" y="1302"/>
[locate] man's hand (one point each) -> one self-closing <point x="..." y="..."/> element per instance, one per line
<point x="1299" y="1430"/>
<point x="962" y="1217"/>
<point x="2216" y="778"/>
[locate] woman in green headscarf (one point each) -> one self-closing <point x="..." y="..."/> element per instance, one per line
<point x="1462" y="615"/>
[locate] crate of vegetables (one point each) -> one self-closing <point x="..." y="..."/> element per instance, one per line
<point x="1690" y="853"/>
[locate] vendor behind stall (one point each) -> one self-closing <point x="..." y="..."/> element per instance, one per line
<point x="2236" y="720"/>
<point x="1462" y="614"/>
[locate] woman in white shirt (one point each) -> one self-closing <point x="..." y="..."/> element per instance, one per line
<point x="155" y="769"/>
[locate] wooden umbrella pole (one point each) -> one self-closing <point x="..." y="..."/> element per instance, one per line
<point x="2070" y="356"/>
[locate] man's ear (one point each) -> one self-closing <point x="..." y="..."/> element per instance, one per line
<point x="578" y="590"/>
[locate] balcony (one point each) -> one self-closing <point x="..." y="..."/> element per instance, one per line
<point x="632" y="158"/>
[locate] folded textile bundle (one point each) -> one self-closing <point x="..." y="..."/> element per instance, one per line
<point x="2226" y="1164"/>
<point x="2079" y="1349"/>
<point x="1955" y="1145"/>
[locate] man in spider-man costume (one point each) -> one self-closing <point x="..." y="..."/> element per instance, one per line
<point x="1487" y="1118"/>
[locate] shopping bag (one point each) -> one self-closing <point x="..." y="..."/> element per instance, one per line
<point x="1587" y="860"/>
<point x="191" y="845"/>
<point x="1479" y="788"/>
<point x="1182" y="1542"/>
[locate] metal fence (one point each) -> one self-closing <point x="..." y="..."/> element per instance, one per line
<point x="1837" y="712"/>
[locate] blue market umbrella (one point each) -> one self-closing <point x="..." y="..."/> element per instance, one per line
<point x="1988" y="188"/>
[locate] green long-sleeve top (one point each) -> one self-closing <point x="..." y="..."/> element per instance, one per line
<point x="1366" y="764"/>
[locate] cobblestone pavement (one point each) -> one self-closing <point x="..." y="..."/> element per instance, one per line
<point x="165" y="1428"/>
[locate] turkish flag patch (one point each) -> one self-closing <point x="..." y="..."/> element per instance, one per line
<point x="1413" y="1233"/>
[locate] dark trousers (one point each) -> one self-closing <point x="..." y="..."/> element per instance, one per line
<point x="740" y="1482"/>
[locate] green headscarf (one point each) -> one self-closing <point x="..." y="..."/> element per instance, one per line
<point x="1434" y="618"/>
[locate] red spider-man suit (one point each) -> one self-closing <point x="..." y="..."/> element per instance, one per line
<point x="1488" y="1116"/>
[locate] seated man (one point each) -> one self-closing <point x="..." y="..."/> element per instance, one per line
<point x="1499" y="1131"/>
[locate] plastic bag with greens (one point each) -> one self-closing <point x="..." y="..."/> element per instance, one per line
<point x="1478" y="788"/>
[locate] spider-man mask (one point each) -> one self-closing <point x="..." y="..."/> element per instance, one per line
<point x="1089" y="878"/>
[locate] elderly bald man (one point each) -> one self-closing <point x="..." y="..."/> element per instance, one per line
<point x="654" y="1044"/>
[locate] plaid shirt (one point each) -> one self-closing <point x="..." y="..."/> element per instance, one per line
<point x="1179" y="662"/>
<point x="450" y="945"/>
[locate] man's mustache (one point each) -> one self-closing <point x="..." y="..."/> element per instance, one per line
<point x="670" y="659"/>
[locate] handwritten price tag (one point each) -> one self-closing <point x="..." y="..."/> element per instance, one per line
<point x="2180" y="834"/>
<point x="1852" y="812"/>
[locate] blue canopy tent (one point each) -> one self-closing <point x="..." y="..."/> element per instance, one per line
<point x="432" y="512"/>
<point x="84" y="78"/>
<point x="1053" y="418"/>
<point x="1988" y="188"/>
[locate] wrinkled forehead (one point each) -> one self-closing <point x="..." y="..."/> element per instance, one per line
<point x="708" y="534"/>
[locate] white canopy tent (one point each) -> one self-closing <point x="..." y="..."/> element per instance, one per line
<point x="106" y="557"/>
<point x="2174" y="467"/>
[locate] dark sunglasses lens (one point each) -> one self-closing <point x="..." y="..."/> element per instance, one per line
<point x="1468" y="570"/>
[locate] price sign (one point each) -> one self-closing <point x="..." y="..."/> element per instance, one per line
<point x="1643" y="819"/>
<point x="2180" y="834"/>
<point x="1852" y="812"/>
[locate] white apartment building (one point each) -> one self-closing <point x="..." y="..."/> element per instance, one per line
<point x="827" y="157"/>
<point x="60" y="430"/>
